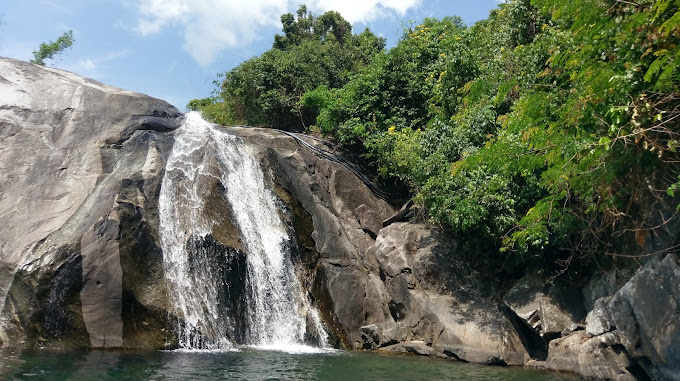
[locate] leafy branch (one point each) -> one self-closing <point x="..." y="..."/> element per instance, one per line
<point x="53" y="48"/>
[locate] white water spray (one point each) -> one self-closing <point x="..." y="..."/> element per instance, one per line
<point x="202" y="156"/>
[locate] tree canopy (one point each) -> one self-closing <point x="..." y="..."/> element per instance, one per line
<point x="548" y="131"/>
<point x="53" y="48"/>
<point x="266" y="90"/>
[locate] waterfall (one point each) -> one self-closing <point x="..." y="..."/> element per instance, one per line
<point x="215" y="290"/>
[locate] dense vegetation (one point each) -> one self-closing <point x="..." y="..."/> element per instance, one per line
<point x="549" y="130"/>
<point x="314" y="51"/>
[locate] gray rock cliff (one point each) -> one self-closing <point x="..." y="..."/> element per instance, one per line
<point x="80" y="167"/>
<point x="631" y="331"/>
<point x="81" y="266"/>
<point x="389" y="286"/>
<point x="82" y="164"/>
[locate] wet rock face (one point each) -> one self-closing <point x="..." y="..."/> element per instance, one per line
<point x="230" y="265"/>
<point x="46" y="308"/>
<point x="381" y="286"/>
<point x="81" y="168"/>
<point x="398" y="288"/>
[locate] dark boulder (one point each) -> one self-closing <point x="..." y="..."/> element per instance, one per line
<point x="646" y="314"/>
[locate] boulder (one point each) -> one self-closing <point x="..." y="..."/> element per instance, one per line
<point x="646" y="314"/>
<point x="368" y="219"/>
<point x="381" y="335"/>
<point x="560" y="311"/>
<point x="435" y="306"/>
<point x="524" y="298"/>
<point x="81" y="165"/>
<point x="553" y="311"/>
<point x="594" y="358"/>
<point x="599" y="321"/>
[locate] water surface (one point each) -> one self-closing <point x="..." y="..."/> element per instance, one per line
<point x="248" y="364"/>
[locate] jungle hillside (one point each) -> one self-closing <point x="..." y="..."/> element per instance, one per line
<point x="546" y="133"/>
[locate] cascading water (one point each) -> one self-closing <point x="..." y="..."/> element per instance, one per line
<point x="206" y="159"/>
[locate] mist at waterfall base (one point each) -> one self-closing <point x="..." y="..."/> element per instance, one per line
<point x="223" y="296"/>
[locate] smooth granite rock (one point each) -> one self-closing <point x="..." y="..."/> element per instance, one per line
<point x="77" y="157"/>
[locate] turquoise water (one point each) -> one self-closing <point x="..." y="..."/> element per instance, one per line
<point x="247" y="364"/>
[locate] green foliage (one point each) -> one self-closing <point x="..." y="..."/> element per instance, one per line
<point x="545" y="131"/>
<point x="586" y="125"/>
<point x="213" y="109"/>
<point x="664" y="69"/>
<point x="51" y="49"/>
<point x="395" y="89"/>
<point x="313" y="52"/>
<point x="547" y="128"/>
<point x="329" y="26"/>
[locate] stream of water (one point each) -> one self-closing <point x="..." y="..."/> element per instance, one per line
<point x="206" y="159"/>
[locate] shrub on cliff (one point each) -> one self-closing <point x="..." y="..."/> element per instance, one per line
<point x="548" y="130"/>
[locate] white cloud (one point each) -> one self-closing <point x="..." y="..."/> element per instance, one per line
<point x="365" y="10"/>
<point x="92" y="67"/>
<point x="157" y="13"/>
<point x="87" y="64"/>
<point x="210" y="26"/>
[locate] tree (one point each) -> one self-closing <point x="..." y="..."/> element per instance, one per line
<point x="266" y="90"/>
<point x="51" y="49"/>
<point x="548" y="131"/>
<point x="394" y="91"/>
<point x="308" y="27"/>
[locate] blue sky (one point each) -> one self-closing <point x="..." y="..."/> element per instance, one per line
<point x="173" y="49"/>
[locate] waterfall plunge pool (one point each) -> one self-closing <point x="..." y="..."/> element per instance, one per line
<point x="248" y="364"/>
